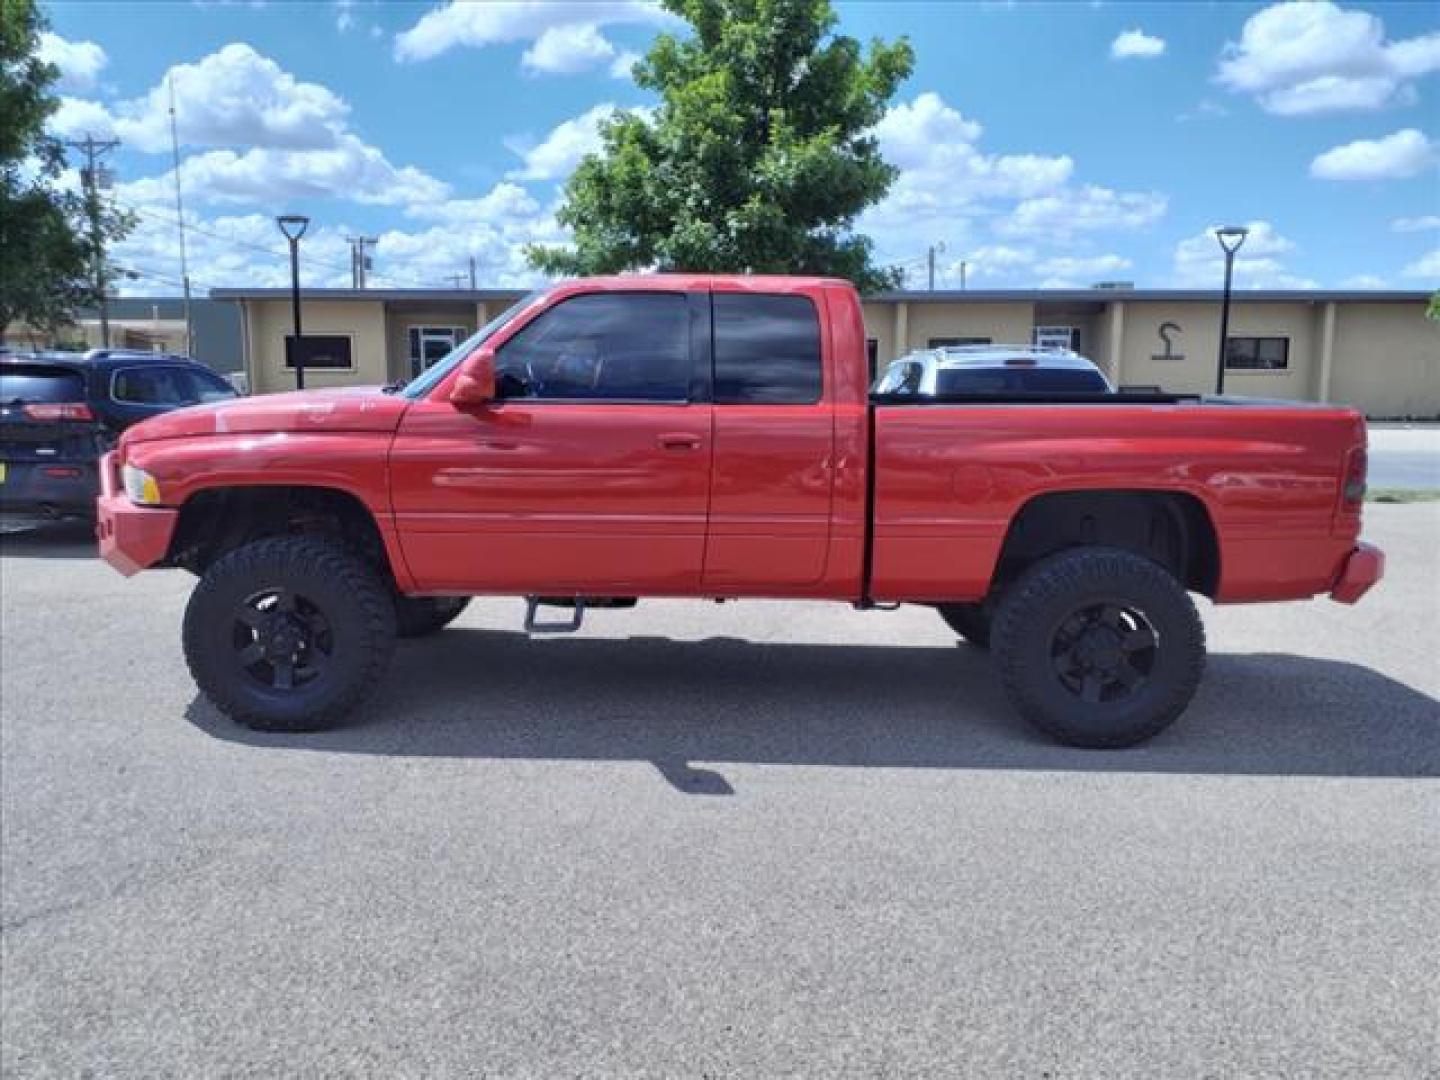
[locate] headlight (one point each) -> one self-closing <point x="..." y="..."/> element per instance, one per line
<point x="140" y="486"/>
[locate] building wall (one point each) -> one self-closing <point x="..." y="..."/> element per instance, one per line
<point x="269" y="322"/>
<point x="1387" y="360"/>
<point x="1001" y="323"/>
<point x="1198" y="341"/>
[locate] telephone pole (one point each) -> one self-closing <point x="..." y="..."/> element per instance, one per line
<point x="92" y="176"/>
<point x="359" y="261"/>
<point x="930" y="261"/>
<point x="472" y="273"/>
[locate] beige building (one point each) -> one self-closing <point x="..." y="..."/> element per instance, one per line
<point x="1374" y="350"/>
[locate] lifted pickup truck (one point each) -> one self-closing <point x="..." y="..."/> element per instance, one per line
<point x="710" y="436"/>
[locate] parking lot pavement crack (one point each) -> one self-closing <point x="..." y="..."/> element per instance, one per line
<point x="135" y="883"/>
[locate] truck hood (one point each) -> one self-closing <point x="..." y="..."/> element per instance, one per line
<point x="361" y="408"/>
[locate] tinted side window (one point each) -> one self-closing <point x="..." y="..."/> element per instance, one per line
<point x="151" y="386"/>
<point x="767" y="350"/>
<point x="207" y="387"/>
<point x="605" y="347"/>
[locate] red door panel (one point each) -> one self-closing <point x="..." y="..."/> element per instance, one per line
<point x="539" y="497"/>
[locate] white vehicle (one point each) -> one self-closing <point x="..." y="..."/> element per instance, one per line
<point x="991" y="369"/>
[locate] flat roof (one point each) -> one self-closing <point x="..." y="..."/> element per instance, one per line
<point x="912" y="296"/>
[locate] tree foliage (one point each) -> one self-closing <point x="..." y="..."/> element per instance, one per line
<point x="758" y="158"/>
<point x="1433" y="310"/>
<point x="46" y="268"/>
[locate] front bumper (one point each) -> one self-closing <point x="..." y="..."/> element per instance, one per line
<point x="1363" y="567"/>
<point x="131" y="537"/>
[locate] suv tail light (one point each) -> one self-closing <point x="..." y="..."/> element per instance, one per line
<point x="62" y="410"/>
<point x="1352" y="489"/>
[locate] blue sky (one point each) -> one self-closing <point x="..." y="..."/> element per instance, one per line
<point x="1042" y="144"/>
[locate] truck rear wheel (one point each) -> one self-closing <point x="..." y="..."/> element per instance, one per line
<point x="970" y="621"/>
<point x="418" y="616"/>
<point x="289" y="633"/>
<point x="1099" y="647"/>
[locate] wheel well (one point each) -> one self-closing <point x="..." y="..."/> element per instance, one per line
<point x="217" y="521"/>
<point x="1172" y="528"/>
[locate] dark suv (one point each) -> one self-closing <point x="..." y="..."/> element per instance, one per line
<point x="60" y="411"/>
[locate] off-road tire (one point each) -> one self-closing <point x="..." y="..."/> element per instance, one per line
<point x="1033" y="611"/>
<point x="356" y="604"/>
<point x="418" y="616"/>
<point x="971" y="621"/>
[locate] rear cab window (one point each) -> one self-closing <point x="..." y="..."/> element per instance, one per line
<point x="767" y="349"/>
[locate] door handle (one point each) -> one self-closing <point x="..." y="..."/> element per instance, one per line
<point x="679" y="440"/>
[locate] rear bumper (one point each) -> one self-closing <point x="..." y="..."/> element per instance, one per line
<point x="131" y="537"/>
<point x="1363" y="567"/>
<point x="48" y="489"/>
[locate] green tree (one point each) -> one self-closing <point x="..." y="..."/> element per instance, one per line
<point x="46" y="259"/>
<point x="1433" y="311"/>
<point x="758" y="158"/>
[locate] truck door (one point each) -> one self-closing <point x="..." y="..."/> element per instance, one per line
<point x="774" y="440"/>
<point x="591" y="474"/>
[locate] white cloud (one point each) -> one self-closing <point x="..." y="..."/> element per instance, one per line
<point x="1423" y="223"/>
<point x="1090" y="267"/>
<point x="344" y="15"/>
<point x="623" y="64"/>
<point x="555" y="156"/>
<point x="80" y="62"/>
<point x="349" y="170"/>
<point x="1427" y="266"/>
<point x="1298" y="58"/>
<point x="1133" y="44"/>
<point x="457" y="24"/>
<point x="1364" y="281"/>
<point x="78" y="117"/>
<point x="1258" y="265"/>
<point x="1089" y="208"/>
<point x="568" y="50"/>
<point x="1395" y="157"/>
<point x="234" y="96"/>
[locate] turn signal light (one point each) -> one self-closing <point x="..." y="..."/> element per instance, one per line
<point x="51" y="411"/>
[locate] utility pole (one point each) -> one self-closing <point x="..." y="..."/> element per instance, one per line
<point x="963" y="265"/>
<point x="473" y="286"/>
<point x="930" y="261"/>
<point x="92" y="177"/>
<point x="359" y="261"/>
<point x="180" y="220"/>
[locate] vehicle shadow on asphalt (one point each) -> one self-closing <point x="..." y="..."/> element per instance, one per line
<point x="471" y="693"/>
<point x="50" y="540"/>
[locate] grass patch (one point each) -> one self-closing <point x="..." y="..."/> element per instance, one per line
<point x="1402" y="495"/>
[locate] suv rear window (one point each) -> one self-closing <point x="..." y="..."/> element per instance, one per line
<point x="1013" y="380"/>
<point x="39" y="382"/>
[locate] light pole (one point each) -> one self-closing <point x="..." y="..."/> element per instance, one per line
<point x="294" y="226"/>
<point x="1230" y="238"/>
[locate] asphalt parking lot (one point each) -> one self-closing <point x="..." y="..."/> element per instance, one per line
<point x="745" y="840"/>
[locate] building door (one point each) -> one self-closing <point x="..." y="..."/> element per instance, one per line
<point x="430" y="344"/>
<point x="590" y="475"/>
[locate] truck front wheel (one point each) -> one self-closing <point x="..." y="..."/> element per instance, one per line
<point x="1098" y="647"/>
<point x="289" y="633"/>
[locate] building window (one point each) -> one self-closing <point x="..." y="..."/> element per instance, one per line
<point x="945" y="342"/>
<point x="1056" y="337"/>
<point x="1257" y="353"/>
<point x="431" y="344"/>
<point x="331" y="351"/>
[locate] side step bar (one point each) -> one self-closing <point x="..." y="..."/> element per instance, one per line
<point x="577" y="604"/>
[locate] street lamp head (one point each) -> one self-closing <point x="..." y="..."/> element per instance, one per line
<point x="1231" y="237"/>
<point x="293" y="225"/>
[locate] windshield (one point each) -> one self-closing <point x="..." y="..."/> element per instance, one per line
<point x="425" y="382"/>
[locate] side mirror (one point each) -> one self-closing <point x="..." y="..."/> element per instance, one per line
<point x="475" y="388"/>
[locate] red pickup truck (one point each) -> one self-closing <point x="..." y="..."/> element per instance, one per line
<point x="715" y="436"/>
